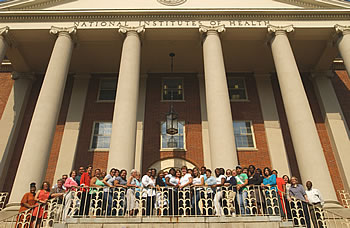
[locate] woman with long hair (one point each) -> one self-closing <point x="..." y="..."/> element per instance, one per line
<point x="270" y="187"/>
<point x="41" y="197"/>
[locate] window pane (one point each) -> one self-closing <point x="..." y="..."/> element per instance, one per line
<point x="243" y="134"/>
<point x="107" y="95"/>
<point x="237" y="88"/>
<point x="102" y="135"/>
<point x="176" y="141"/>
<point x="108" y="84"/>
<point x="237" y="94"/>
<point x="107" y="89"/>
<point x="172" y="89"/>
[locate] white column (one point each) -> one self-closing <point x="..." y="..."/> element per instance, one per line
<point x="140" y="123"/>
<point x="275" y="142"/>
<point x="204" y="123"/>
<point x="307" y="146"/>
<point x="123" y="139"/>
<point x="3" y="43"/>
<point x="11" y="120"/>
<point x="337" y="128"/>
<point x="66" y="156"/>
<point x="222" y="142"/>
<point x="344" y="44"/>
<point x="37" y="147"/>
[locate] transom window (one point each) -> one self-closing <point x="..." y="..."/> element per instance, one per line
<point x="101" y="135"/>
<point x="176" y="141"/>
<point x="107" y="90"/>
<point x="237" y="89"/>
<point x="172" y="89"/>
<point x="244" y="135"/>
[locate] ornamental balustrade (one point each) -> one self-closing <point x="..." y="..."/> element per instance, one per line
<point x="118" y="202"/>
<point x="3" y="197"/>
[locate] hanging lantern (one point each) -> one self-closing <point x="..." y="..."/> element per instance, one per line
<point x="171" y="122"/>
<point x="172" y="142"/>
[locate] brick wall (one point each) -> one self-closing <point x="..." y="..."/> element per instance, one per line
<point x="188" y="111"/>
<point x="6" y="84"/>
<point x="251" y="110"/>
<point x="341" y="83"/>
<point x="94" y="111"/>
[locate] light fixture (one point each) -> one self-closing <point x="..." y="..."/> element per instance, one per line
<point x="171" y="117"/>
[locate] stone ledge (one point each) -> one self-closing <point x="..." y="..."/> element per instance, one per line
<point x="138" y="220"/>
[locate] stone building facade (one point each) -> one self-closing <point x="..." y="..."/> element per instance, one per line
<point x="258" y="82"/>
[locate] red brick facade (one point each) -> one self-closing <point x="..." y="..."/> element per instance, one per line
<point x="94" y="111"/>
<point x="189" y="111"/>
<point x="6" y="84"/>
<point x="251" y="111"/>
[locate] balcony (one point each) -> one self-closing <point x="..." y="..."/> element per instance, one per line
<point x="159" y="207"/>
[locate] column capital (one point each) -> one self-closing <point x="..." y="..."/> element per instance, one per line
<point x="343" y="29"/>
<point x="217" y="29"/>
<point x="23" y="75"/>
<point x="280" y="30"/>
<point x="4" y="31"/>
<point x="126" y="30"/>
<point x="69" y="31"/>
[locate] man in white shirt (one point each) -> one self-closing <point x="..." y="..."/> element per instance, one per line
<point x="315" y="202"/>
<point x="148" y="182"/>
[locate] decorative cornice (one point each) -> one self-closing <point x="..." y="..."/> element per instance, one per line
<point x="344" y="30"/>
<point x="125" y="30"/>
<point x="206" y="29"/>
<point x="38" y="16"/>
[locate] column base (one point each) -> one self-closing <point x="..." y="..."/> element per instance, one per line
<point x="9" y="211"/>
<point x="329" y="204"/>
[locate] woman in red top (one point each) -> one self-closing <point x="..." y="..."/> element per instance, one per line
<point x="28" y="200"/>
<point x="42" y="196"/>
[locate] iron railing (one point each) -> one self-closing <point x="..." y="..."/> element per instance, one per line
<point x="170" y="202"/>
<point x="3" y="197"/>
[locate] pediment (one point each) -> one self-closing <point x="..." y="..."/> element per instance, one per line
<point x="72" y="5"/>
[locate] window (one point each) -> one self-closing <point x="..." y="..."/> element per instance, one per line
<point x="244" y="136"/>
<point x="172" y="89"/>
<point x="173" y="141"/>
<point x="101" y="135"/>
<point x="237" y="89"/>
<point x="107" y="90"/>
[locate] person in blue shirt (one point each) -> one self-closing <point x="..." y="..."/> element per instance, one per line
<point x="269" y="180"/>
<point x="269" y="185"/>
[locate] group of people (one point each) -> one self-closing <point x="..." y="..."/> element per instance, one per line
<point x="163" y="189"/>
